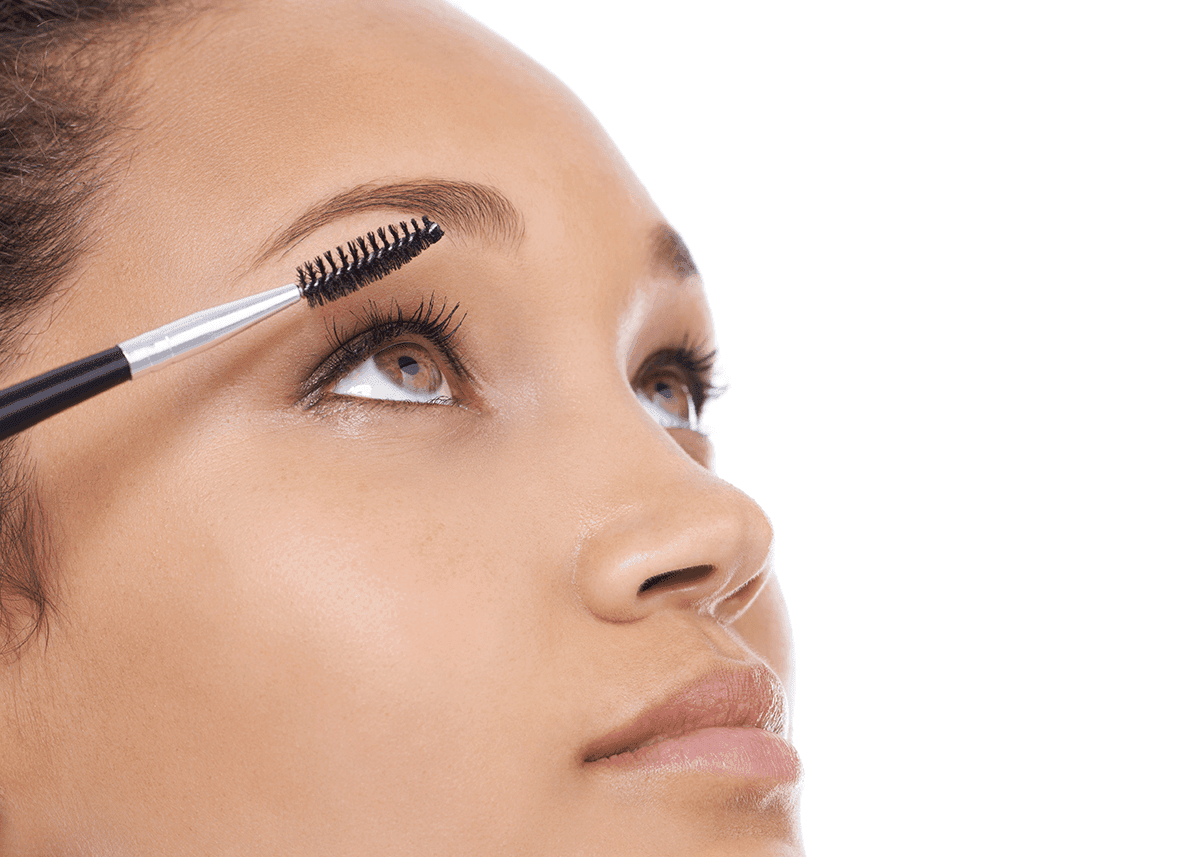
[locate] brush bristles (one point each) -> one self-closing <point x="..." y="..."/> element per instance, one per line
<point x="364" y="261"/>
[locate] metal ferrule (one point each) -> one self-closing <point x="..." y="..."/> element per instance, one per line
<point x="199" y="330"/>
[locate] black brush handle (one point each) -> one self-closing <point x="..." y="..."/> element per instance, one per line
<point x="44" y="396"/>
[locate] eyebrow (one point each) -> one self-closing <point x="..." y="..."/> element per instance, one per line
<point x="670" y="253"/>
<point x="473" y="209"/>
<point x="465" y="207"/>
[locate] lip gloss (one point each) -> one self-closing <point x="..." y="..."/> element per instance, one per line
<point x="737" y="751"/>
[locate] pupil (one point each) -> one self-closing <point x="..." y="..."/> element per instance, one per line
<point x="408" y="366"/>
<point x="664" y="390"/>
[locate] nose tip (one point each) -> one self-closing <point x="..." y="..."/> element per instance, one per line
<point x="695" y="544"/>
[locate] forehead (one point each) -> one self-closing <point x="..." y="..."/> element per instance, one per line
<point x="248" y="115"/>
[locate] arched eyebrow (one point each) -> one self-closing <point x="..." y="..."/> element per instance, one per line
<point x="671" y="254"/>
<point x="461" y="207"/>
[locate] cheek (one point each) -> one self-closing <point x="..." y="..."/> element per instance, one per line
<point x="344" y="565"/>
<point x="291" y="621"/>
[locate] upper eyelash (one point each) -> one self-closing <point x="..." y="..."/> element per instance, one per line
<point x="697" y="366"/>
<point x="378" y="326"/>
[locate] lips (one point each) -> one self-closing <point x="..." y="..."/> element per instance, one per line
<point x="731" y="713"/>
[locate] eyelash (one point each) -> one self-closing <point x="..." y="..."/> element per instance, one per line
<point x="380" y="327"/>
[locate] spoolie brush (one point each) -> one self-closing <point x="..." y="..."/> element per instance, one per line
<point x="362" y="261"/>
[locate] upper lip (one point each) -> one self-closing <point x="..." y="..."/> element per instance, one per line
<point x="747" y="696"/>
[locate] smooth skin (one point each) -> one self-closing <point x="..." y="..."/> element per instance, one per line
<point x="366" y="628"/>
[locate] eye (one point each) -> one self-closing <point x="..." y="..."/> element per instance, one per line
<point x="401" y="372"/>
<point x="408" y="357"/>
<point x="675" y="384"/>
<point x="667" y="396"/>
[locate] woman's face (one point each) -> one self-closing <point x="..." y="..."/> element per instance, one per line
<point x="297" y="617"/>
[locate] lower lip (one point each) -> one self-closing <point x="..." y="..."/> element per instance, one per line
<point x="730" y="751"/>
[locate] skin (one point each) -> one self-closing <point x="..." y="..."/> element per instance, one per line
<point x="367" y="628"/>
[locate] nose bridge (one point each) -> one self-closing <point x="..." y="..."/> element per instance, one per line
<point x="657" y="529"/>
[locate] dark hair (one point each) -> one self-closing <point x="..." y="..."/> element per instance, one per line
<point x="62" y="63"/>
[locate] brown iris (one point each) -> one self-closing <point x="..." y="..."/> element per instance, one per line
<point x="411" y="367"/>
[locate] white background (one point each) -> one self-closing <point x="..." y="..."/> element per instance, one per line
<point x="954" y="251"/>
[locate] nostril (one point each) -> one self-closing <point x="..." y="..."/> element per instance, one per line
<point x="678" y="579"/>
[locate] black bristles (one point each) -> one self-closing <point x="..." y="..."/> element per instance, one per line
<point x="367" y="260"/>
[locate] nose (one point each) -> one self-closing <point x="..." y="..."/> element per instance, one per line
<point x="667" y="533"/>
